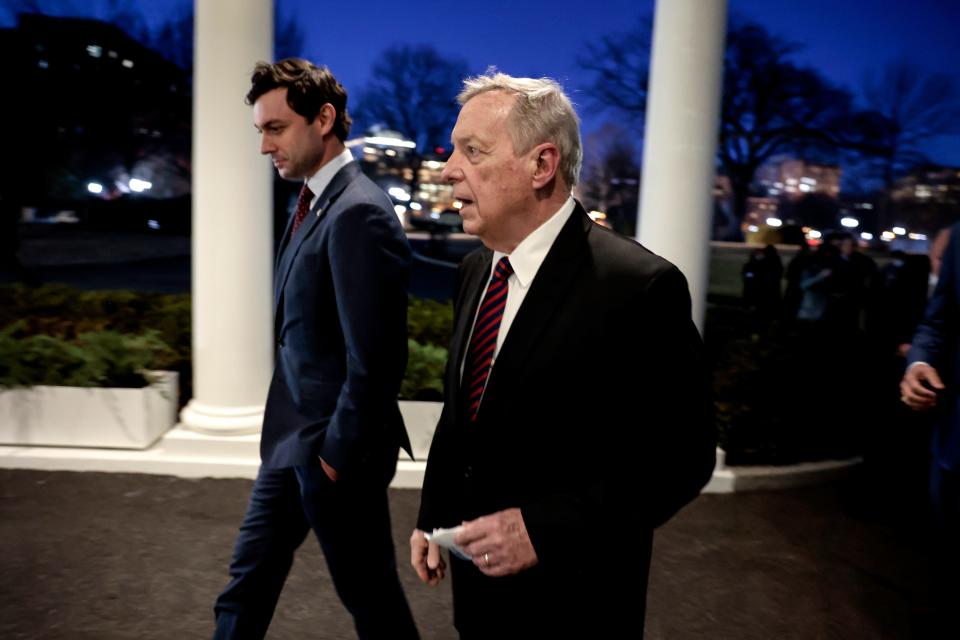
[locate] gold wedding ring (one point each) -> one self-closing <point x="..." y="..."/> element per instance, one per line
<point x="486" y="559"/>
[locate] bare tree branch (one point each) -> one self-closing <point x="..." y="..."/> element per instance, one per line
<point x="411" y="90"/>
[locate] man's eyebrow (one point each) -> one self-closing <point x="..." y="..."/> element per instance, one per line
<point x="470" y="138"/>
<point x="269" y="123"/>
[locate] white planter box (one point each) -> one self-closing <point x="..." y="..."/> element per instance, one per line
<point x="89" y="417"/>
<point x="420" y="419"/>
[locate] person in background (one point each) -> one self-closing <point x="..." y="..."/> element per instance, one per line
<point x="930" y="384"/>
<point x="761" y="284"/>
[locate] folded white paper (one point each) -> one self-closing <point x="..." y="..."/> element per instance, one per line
<point x="444" y="538"/>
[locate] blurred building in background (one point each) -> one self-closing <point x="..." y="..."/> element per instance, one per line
<point x="412" y="179"/>
<point x="97" y="120"/>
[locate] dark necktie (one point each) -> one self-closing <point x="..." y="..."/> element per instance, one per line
<point x="479" y="360"/>
<point x="303" y="208"/>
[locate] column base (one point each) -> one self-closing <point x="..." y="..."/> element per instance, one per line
<point x="221" y="421"/>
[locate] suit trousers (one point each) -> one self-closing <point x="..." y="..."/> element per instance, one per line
<point x="351" y="520"/>
<point x="945" y="563"/>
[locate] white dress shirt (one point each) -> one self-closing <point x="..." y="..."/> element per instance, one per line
<point x="319" y="181"/>
<point x="525" y="260"/>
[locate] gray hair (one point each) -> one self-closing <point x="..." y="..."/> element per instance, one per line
<point x="541" y="113"/>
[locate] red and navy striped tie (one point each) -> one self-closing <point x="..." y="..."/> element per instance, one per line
<point x="484" y="339"/>
<point x="303" y="207"/>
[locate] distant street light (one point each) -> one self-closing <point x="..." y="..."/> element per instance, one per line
<point x="139" y="186"/>
<point x="95" y="187"/>
<point x="774" y="222"/>
<point x="399" y="193"/>
<point x="850" y="223"/>
<point x="866" y="236"/>
<point x="390" y="142"/>
<point x="900" y="231"/>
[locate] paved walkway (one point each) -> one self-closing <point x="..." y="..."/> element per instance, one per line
<point x="116" y="556"/>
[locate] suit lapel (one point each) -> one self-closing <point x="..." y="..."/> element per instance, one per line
<point x="473" y="285"/>
<point x="290" y="247"/>
<point x="550" y="286"/>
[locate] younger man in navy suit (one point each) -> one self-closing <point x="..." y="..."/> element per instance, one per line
<point x="332" y="427"/>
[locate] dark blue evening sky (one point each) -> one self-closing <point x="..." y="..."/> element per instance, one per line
<point x="844" y="39"/>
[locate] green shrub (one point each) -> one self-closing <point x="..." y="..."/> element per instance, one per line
<point x="59" y="315"/>
<point x="425" y="368"/>
<point x="39" y="359"/>
<point x="430" y="322"/>
<point x="122" y="360"/>
<point x="93" y="359"/>
<point x="60" y="310"/>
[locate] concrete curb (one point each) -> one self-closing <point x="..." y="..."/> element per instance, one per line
<point x="762" y="477"/>
<point x="191" y="455"/>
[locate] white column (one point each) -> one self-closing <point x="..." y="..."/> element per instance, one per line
<point x="679" y="151"/>
<point x="232" y="223"/>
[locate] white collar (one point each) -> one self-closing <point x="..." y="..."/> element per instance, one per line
<point x="532" y="250"/>
<point x="321" y="179"/>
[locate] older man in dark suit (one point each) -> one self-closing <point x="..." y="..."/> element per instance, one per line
<point x="577" y="414"/>
<point x="332" y="428"/>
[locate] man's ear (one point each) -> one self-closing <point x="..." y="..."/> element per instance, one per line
<point x="547" y="162"/>
<point x="325" y="118"/>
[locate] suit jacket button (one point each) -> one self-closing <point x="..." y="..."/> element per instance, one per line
<point x="467" y="471"/>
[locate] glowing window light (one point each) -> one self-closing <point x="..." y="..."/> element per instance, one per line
<point x="139" y="186"/>
<point x="390" y="142"/>
<point x="399" y="193"/>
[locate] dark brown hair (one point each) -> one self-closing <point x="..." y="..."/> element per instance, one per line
<point x="309" y="87"/>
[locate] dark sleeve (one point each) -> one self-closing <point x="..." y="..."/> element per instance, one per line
<point x="370" y="267"/>
<point x="940" y="320"/>
<point x="435" y="503"/>
<point x="659" y="444"/>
